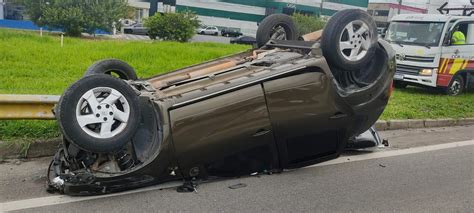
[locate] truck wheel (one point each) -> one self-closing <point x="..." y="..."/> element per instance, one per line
<point x="276" y="27"/>
<point x="400" y="84"/>
<point x="112" y="67"/>
<point x="99" y="113"/>
<point x="456" y="86"/>
<point x="349" y="39"/>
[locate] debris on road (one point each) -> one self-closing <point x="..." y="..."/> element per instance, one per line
<point x="238" y="186"/>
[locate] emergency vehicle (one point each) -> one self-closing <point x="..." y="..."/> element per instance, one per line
<point x="427" y="54"/>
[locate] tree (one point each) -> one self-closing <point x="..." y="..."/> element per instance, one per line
<point x="179" y="26"/>
<point x="76" y="16"/>
<point x="307" y="24"/>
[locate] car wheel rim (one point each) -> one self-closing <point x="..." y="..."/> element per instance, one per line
<point x="102" y="112"/>
<point x="278" y="33"/>
<point x="355" y="40"/>
<point x="455" y="87"/>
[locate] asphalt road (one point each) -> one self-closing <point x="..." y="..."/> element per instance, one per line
<point x="426" y="170"/>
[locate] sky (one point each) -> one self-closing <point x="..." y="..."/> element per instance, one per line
<point x="423" y="3"/>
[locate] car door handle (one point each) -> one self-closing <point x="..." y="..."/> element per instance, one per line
<point x="261" y="132"/>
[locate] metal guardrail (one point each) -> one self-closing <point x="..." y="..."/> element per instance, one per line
<point x="27" y="107"/>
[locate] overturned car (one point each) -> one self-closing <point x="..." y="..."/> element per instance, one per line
<point x="286" y="104"/>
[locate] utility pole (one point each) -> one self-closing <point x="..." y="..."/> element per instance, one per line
<point x="321" y="8"/>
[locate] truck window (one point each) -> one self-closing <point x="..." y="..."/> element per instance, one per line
<point x="415" y="33"/>
<point x="467" y="30"/>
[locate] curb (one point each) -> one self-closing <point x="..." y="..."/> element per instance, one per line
<point x="382" y="125"/>
<point x="49" y="147"/>
<point x="35" y="149"/>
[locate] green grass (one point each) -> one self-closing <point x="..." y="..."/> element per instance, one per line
<point x="421" y="103"/>
<point x="30" y="64"/>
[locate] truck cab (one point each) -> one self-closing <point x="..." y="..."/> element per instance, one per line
<point x="426" y="54"/>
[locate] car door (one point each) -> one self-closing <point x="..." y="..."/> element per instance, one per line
<point x="138" y="29"/>
<point x="208" y="31"/>
<point x="226" y="135"/>
<point x="460" y="56"/>
<point x="308" y="124"/>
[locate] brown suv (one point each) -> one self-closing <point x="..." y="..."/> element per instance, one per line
<point x="287" y="104"/>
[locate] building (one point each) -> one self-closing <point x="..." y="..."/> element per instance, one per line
<point x="12" y="11"/>
<point x="242" y="14"/>
<point x="383" y="12"/>
<point x="246" y="14"/>
<point x="142" y="9"/>
<point x="2" y="4"/>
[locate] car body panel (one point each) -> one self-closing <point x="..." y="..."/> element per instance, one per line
<point x="223" y="136"/>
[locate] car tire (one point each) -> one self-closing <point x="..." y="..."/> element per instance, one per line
<point x="113" y="67"/>
<point x="455" y="86"/>
<point x="349" y="39"/>
<point x="97" y="122"/>
<point x="277" y="27"/>
<point x="400" y="84"/>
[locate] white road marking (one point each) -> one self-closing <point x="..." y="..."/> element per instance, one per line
<point x="63" y="199"/>
<point x="392" y="153"/>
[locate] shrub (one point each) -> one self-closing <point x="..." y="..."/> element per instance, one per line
<point x="76" y="16"/>
<point x="179" y="26"/>
<point x="307" y="24"/>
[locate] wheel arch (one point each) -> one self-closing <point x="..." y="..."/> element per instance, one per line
<point x="466" y="75"/>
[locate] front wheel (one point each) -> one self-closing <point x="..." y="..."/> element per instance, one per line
<point x="456" y="86"/>
<point x="349" y="39"/>
<point x="99" y="113"/>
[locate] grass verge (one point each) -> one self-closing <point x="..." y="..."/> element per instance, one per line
<point x="30" y="64"/>
<point x="422" y="103"/>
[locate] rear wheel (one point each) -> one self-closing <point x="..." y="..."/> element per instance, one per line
<point x="113" y="67"/>
<point x="276" y="27"/>
<point x="99" y="113"/>
<point x="456" y="86"/>
<point x="349" y="39"/>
